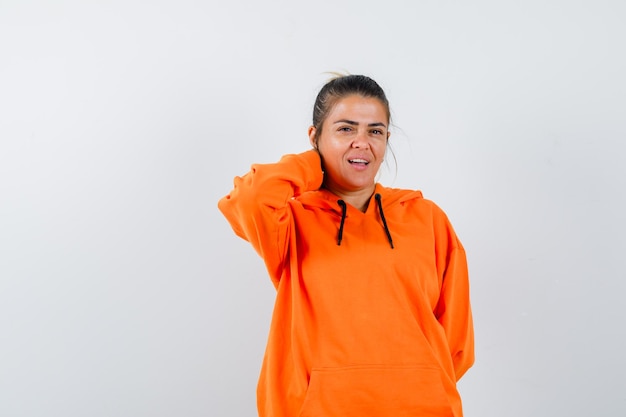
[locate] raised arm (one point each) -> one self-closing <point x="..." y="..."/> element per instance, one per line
<point x="257" y="208"/>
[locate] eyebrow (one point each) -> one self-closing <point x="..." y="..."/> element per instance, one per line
<point x="353" y="123"/>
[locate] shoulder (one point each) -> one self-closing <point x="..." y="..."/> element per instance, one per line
<point x="411" y="204"/>
<point x="407" y="198"/>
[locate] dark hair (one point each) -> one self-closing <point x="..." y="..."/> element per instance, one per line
<point x="341" y="87"/>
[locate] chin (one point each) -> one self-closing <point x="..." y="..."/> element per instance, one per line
<point x="362" y="185"/>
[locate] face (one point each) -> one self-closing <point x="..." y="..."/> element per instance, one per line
<point x="352" y="144"/>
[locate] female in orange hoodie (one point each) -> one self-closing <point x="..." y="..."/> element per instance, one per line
<point x="372" y="314"/>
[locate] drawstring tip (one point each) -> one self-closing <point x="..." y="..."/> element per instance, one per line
<point x="382" y="217"/>
<point x="344" y="208"/>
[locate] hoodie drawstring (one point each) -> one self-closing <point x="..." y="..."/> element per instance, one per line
<point x="344" y="209"/>
<point x="382" y="217"/>
<point x="343" y="219"/>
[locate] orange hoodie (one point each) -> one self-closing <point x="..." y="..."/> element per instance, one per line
<point x="372" y="314"/>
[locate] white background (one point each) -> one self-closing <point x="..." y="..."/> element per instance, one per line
<point x="123" y="292"/>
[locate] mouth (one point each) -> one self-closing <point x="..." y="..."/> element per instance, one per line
<point x="358" y="161"/>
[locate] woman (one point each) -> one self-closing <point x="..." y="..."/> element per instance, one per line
<point x="372" y="313"/>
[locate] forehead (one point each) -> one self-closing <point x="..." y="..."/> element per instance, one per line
<point x="358" y="108"/>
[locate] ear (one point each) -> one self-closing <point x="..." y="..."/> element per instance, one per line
<point x="312" y="138"/>
<point x="388" y="134"/>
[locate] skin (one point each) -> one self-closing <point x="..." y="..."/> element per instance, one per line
<point x="352" y="146"/>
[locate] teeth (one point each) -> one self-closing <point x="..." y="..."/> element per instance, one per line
<point x="358" y="161"/>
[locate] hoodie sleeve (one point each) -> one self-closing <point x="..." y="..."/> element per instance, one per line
<point x="453" y="309"/>
<point x="257" y="208"/>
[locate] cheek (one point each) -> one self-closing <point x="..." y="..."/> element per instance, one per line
<point x="329" y="147"/>
<point x="381" y="149"/>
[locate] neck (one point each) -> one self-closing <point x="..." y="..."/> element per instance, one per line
<point x="358" y="199"/>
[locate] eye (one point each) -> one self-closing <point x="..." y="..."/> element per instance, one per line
<point x="378" y="132"/>
<point x="345" y="129"/>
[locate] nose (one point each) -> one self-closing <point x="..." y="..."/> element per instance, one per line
<point x="361" y="141"/>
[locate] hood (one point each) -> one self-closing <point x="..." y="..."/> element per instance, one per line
<point x="326" y="200"/>
<point x="382" y="199"/>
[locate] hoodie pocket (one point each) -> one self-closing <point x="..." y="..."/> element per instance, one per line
<point x="381" y="391"/>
